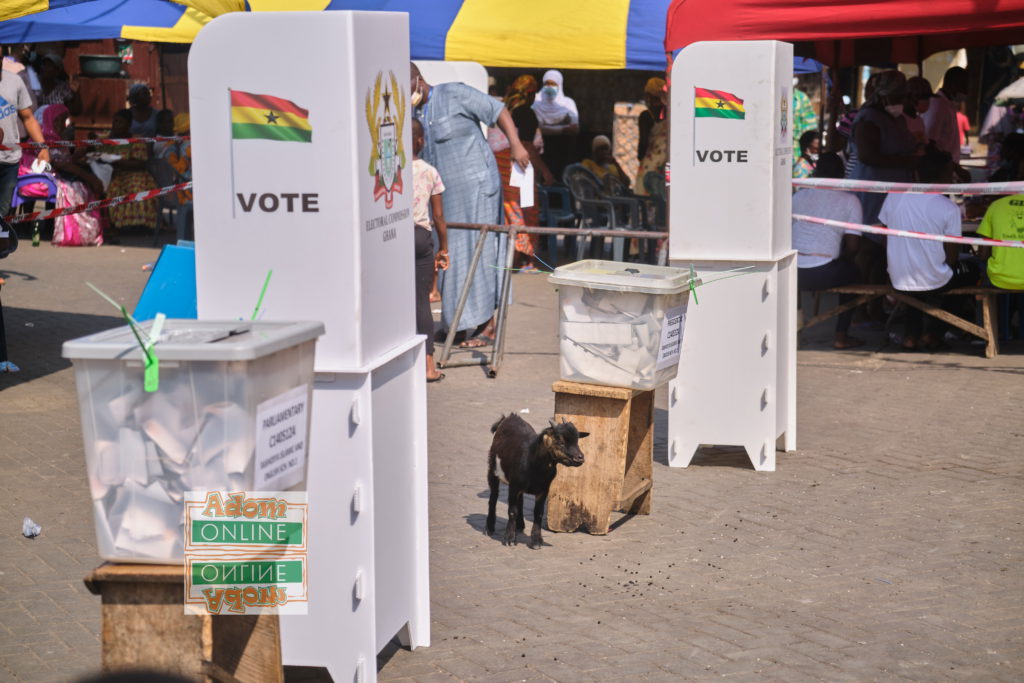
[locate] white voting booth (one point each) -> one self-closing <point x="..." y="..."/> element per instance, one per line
<point x="304" y="168"/>
<point x="731" y="183"/>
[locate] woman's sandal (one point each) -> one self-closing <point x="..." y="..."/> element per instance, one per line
<point x="477" y="342"/>
<point x="439" y="377"/>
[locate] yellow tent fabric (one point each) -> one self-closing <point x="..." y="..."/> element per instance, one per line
<point x="12" y="9"/>
<point x="184" y="31"/>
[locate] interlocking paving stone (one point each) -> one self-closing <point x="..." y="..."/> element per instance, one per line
<point x="888" y="547"/>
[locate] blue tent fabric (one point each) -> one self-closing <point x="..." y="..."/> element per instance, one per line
<point x="92" y="20"/>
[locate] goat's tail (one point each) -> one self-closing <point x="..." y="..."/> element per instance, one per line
<point x="494" y="427"/>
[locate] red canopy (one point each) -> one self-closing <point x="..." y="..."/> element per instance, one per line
<point x="850" y="32"/>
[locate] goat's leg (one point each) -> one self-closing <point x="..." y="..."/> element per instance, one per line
<point x="492" y="502"/>
<point x="513" y="512"/>
<point x="521" y="517"/>
<point x="535" y="541"/>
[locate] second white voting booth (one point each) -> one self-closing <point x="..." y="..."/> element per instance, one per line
<point x="303" y="172"/>
<point x="731" y="182"/>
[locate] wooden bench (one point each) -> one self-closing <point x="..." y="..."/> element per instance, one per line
<point x="616" y="473"/>
<point x="986" y="295"/>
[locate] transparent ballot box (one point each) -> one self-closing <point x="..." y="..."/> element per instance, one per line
<point x="230" y="413"/>
<point x="620" y="324"/>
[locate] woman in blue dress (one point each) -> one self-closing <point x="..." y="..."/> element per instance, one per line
<point x="451" y="114"/>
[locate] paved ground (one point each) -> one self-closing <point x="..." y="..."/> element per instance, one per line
<point x="888" y="547"/>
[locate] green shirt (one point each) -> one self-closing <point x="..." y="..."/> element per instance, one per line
<point x="1004" y="220"/>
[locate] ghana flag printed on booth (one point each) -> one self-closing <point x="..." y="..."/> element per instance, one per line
<point x="717" y="103"/>
<point x="265" y="117"/>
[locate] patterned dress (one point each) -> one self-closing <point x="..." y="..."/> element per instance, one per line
<point x="456" y="147"/>
<point x="124" y="182"/>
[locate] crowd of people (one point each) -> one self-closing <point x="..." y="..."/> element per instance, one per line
<point x="905" y="132"/>
<point x="534" y="124"/>
<point x="44" y="106"/>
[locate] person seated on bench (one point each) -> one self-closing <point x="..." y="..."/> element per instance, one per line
<point x="926" y="268"/>
<point x="825" y="254"/>
<point x="1004" y="220"/>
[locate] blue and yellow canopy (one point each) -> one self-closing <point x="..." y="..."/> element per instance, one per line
<point x="153" y="20"/>
<point x="568" y="34"/>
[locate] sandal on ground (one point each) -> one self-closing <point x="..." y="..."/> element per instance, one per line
<point x="477" y="342"/>
<point x="440" y="376"/>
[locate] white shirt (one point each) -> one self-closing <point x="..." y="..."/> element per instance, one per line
<point x="818" y="244"/>
<point x="940" y="125"/>
<point x="919" y="265"/>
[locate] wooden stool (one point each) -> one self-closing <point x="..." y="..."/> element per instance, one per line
<point x="145" y="626"/>
<point x="617" y="467"/>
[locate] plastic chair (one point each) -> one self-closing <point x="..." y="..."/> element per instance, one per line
<point x="556" y="215"/>
<point x="23" y="196"/>
<point x="594" y="209"/>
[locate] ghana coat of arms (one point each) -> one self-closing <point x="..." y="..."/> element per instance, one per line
<point x="385" y="117"/>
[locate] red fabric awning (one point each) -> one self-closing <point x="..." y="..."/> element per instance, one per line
<point x="849" y="32"/>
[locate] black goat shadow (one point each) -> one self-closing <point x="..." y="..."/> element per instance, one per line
<point x="478" y="521"/>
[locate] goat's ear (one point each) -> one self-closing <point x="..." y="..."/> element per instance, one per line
<point x="584" y="434"/>
<point x="552" y="423"/>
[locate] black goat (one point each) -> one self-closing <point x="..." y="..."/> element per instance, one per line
<point x="526" y="461"/>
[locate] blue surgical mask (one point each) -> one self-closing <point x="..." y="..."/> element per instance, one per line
<point x="549" y="92"/>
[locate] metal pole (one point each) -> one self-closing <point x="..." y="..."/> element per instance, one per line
<point x="498" y="350"/>
<point x="463" y="297"/>
<point x="639" y="234"/>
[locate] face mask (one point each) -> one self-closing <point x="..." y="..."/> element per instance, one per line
<point x="549" y="92"/>
<point x="417" y="95"/>
<point x="813" y="157"/>
<point x="895" y="110"/>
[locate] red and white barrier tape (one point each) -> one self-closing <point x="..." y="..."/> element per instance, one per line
<point x="98" y="204"/>
<point x="982" y="241"/>
<point x="1016" y="187"/>
<point x="92" y="143"/>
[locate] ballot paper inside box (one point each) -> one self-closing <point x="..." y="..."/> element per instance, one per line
<point x="231" y="413"/>
<point x="620" y="324"/>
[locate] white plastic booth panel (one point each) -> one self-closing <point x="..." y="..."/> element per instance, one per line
<point x="338" y="631"/>
<point x="401" y="555"/>
<point x="736" y="384"/>
<point x="334" y="212"/>
<point x="731" y="178"/>
<point x="331" y="218"/>
<point x="731" y="188"/>
<point x="437" y="71"/>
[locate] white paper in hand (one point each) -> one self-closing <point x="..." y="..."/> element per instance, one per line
<point x="524" y="181"/>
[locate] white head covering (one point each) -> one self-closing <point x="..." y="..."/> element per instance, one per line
<point x="553" y="112"/>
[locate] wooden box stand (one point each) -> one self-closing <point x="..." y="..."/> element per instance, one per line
<point x="617" y="467"/>
<point x="145" y="627"/>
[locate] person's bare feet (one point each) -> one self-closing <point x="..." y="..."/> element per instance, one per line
<point x="435" y="296"/>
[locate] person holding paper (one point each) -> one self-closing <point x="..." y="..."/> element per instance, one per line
<point x="454" y="144"/>
<point x="518" y="211"/>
